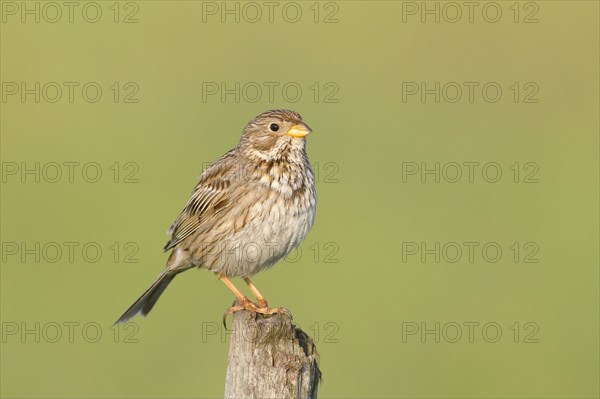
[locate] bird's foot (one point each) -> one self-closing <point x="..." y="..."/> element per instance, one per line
<point x="244" y="304"/>
<point x="262" y="303"/>
<point x="261" y="308"/>
<point x="267" y="310"/>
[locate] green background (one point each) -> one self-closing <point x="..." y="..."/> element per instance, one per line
<point x="356" y="308"/>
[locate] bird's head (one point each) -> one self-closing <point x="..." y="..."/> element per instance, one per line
<point x="274" y="134"/>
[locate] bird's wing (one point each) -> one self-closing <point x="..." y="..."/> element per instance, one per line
<point x="208" y="198"/>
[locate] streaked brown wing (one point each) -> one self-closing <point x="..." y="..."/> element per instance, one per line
<point x="208" y="198"/>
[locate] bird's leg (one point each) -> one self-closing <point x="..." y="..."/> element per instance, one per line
<point x="262" y="302"/>
<point x="244" y="303"/>
<point x="240" y="297"/>
<point x="241" y="303"/>
<point x="263" y="306"/>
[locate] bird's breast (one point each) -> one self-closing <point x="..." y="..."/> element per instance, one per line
<point x="274" y="210"/>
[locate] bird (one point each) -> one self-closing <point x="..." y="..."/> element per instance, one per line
<point x="249" y="209"/>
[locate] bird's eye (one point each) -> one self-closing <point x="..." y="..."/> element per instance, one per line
<point x="274" y="127"/>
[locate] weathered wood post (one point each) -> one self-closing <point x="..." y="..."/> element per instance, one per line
<point x="269" y="357"/>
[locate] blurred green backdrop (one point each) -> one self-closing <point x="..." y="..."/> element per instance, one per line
<point x="361" y="285"/>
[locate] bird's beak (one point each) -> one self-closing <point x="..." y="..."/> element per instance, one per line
<point x="299" y="130"/>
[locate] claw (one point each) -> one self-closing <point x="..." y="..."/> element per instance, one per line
<point x="229" y="311"/>
<point x="245" y="304"/>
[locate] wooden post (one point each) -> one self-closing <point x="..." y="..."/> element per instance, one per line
<point x="269" y="357"/>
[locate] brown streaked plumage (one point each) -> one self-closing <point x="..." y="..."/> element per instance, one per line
<point x="249" y="209"/>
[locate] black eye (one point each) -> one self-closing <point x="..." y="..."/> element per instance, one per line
<point x="274" y="127"/>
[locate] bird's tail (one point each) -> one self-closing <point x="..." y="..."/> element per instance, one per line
<point x="147" y="300"/>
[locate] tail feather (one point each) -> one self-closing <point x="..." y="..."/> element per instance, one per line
<point x="147" y="300"/>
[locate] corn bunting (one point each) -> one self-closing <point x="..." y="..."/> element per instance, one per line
<point x="249" y="209"/>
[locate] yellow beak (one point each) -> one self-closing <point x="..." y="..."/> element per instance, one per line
<point x="299" y="130"/>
